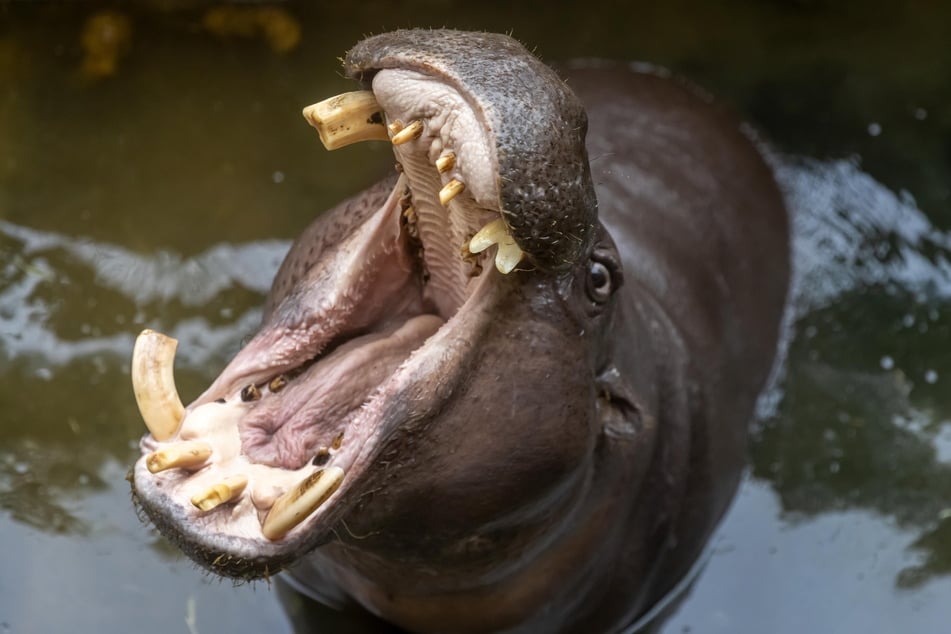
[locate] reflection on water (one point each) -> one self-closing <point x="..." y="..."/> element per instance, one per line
<point x="852" y="531"/>
<point x="844" y="523"/>
<point x="37" y="482"/>
<point x="163" y="194"/>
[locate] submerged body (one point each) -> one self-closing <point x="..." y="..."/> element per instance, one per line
<point x="546" y="449"/>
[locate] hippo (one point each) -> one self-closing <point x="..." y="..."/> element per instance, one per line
<point x="507" y="388"/>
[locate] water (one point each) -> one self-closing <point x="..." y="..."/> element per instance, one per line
<point x="164" y="195"/>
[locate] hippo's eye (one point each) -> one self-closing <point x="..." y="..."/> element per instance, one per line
<point x="599" y="282"/>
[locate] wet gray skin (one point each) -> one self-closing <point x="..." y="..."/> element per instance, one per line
<point x="546" y="450"/>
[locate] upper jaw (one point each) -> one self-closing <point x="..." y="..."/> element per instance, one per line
<point x="533" y="126"/>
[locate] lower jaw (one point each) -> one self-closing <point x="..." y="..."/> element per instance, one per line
<point x="229" y="539"/>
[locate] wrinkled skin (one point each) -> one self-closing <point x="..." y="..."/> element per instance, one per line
<point x="578" y="427"/>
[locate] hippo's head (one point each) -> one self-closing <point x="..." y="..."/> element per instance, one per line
<point x="423" y="418"/>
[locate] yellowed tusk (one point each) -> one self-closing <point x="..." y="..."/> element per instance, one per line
<point x="509" y="254"/>
<point x="449" y="191"/>
<point x="300" y="502"/>
<point x="492" y="233"/>
<point x="218" y="494"/>
<point x="153" y="382"/>
<point x="445" y="162"/>
<point x="410" y="133"/>
<point x="190" y="454"/>
<point x="348" y="118"/>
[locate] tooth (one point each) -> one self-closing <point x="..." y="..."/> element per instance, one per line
<point x="153" y="383"/>
<point x="395" y="127"/>
<point x="184" y="455"/>
<point x="347" y="118"/>
<point x="409" y="133"/>
<point x="449" y="191"/>
<point x="492" y="233"/>
<point x="296" y="505"/>
<point x="250" y="392"/>
<point x="225" y="491"/>
<point x="445" y="162"/>
<point x="508" y="255"/>
<point x="278" y="383"/>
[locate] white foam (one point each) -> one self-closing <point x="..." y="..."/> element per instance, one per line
<point x="850" y="232"/>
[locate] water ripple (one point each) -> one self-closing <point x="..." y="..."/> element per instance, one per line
<point x="27" y="315"/>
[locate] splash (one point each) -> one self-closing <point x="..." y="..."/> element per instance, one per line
<point x="850" y="233"/>
<point x="43" y="264"/>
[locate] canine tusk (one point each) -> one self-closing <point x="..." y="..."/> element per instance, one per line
<point x="153" y="383"/>
<point x="347" y="118"/>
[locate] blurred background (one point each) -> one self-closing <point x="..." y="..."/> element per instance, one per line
<point x="154" y="166"/>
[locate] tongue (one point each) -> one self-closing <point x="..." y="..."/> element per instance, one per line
<point x="310" y="415"/>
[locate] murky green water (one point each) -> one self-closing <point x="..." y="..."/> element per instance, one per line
<point x="163" y="196"/>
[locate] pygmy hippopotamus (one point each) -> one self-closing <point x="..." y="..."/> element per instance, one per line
<point x="505" y="389"/>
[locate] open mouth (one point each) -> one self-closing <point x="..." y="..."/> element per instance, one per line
<point x="249" y="475"/>
<point x="378" y="319"/>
